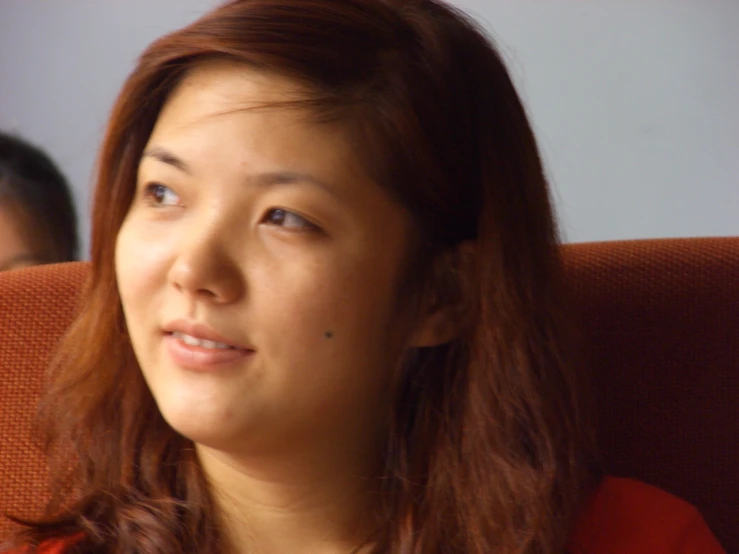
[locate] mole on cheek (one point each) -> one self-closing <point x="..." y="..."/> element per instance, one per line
<point x="328" y="334"/>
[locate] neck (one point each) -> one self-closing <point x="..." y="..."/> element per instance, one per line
<point x="325" y="506"/>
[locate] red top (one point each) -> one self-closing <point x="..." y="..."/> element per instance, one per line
<point x="624" y="517"/>
<point x="629" y="517"/>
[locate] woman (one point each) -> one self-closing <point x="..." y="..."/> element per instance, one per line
<point x="38" y="223"/>
<point x="326" y="312"/>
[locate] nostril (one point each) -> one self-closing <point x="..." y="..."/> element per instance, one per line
<point x="212" y="279"/>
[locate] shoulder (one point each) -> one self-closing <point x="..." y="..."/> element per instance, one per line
<point x="628" y="516"/>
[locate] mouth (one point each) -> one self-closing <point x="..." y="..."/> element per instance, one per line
<point x="202" y="343"/>
<point x="204" y="355"/>
<point x="197" y="347"/>
<point x="202" y="335"/>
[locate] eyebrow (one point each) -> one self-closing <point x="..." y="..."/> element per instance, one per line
<point x="166" y="157"/>
<point x="260" y="179"/>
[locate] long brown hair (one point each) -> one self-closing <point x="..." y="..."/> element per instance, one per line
<point x="490" y="442"/>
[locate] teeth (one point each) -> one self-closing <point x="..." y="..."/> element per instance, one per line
<point x="192" y="341"/>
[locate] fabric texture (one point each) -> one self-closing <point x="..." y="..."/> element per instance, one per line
<point x="661" y="325"/>
<point x="36" y="306"/>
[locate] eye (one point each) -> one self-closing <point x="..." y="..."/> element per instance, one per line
<point x="159" y="195"/>
<point x="289" y="220"/>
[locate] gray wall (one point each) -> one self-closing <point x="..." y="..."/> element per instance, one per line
<point x="635" y="104"/>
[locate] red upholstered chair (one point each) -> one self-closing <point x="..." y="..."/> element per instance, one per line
<point x="36" y="306"/>
<point x="661" y="323"/>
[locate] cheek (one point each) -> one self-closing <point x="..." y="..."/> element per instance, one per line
<point x="329" y="351"/>
<point x="12" y="243"/>
<point x="333" y="312"/>
<point x="140" y="269"/>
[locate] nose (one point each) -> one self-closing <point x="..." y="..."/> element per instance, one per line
<point x="204" y="269"/>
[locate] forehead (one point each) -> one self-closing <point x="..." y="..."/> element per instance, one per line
<point x="232" y="85"/>
<point x="227" y="109"/>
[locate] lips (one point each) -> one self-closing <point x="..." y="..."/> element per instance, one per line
<point x="193" y="341"/>
<point x="196" y="347"/>
<point x="201" y="332"/>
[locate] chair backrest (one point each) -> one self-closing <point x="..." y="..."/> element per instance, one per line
<point x="36" y="307"/>
<point x="661" y="321"/>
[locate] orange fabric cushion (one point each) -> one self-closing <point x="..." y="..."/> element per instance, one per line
<point x="36" y="307"/>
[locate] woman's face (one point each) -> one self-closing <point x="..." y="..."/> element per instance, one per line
<point x="256" y="229"/>
<point x="15" y="250"/>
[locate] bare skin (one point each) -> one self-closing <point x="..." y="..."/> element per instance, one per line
<point x="15" y="251"/>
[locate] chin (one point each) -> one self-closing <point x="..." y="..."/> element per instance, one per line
<point x="203" y="433"/>
<point x="208" y="427"/>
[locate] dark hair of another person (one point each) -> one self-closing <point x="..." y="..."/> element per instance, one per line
<point x="490" y="446"/>
<point x="35" y="190"/>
